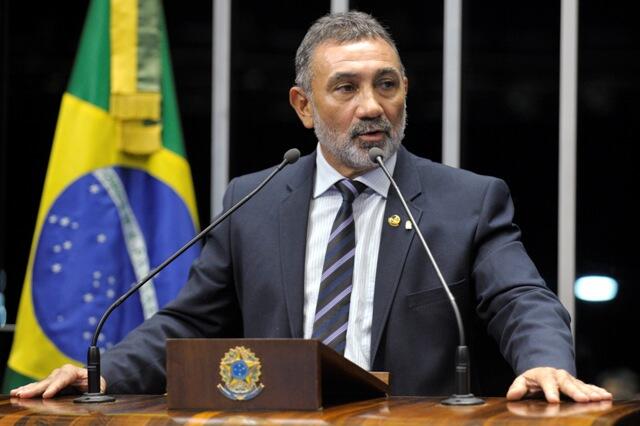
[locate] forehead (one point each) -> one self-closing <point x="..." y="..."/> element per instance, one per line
<point x="357" y="56"/>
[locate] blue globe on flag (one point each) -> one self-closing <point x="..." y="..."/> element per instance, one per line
<point x="104" y="233"/>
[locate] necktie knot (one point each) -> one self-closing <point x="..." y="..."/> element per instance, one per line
<point x="350" y="189"/>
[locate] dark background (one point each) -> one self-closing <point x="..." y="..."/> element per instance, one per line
<point x="510" y="97"/>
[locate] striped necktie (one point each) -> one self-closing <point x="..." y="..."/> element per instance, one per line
<point x="332" y="309"/>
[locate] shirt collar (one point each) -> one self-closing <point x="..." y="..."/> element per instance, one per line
<point x="327" y="176"/>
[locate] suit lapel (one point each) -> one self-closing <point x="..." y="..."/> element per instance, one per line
<point x="294" y="217"/>
<point x="394" y="244"/>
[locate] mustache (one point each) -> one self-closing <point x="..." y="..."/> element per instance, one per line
<point x="379" y="124"/>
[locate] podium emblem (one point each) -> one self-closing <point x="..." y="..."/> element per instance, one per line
<point x="240" y="373"/>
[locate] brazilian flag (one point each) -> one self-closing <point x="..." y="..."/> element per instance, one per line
<point x="117" y="200"/>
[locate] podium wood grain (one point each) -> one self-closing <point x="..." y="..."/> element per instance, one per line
<point x="406" y="411"/>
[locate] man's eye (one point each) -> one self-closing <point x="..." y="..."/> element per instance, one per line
<point x="387" y="84"/>
<point x="345" y="88"/>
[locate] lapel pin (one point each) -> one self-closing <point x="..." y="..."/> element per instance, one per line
<point x="408" y="225"/>
<point x="394" y="220"/>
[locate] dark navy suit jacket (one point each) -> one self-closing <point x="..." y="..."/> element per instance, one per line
<point x="249" y="282"/>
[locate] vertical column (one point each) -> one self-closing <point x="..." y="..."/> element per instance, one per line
<point x="451" y="82"/>
<point x="567" y="157"/>
<point x="4" y="140"/>
<point x="339" y="6"/>
<point x="220" y="102"/>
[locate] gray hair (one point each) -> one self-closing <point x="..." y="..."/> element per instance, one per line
<point x="342" y="28"/>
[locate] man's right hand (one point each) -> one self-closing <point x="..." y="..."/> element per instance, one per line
<point x="60" y="378"/>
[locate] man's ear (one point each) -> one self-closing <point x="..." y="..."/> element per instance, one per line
<point x="302" y="105"/>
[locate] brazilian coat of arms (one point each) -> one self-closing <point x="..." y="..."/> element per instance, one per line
<point x="240" y="373"/>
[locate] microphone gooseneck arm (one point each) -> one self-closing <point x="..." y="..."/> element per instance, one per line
<point x="463" y="395"/>
<point x="290" y="157"/>
<point x="93" y="356"/>
<point x="377" y="157"/>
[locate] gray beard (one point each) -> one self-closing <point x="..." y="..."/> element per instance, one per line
<point x="354" y="153"/>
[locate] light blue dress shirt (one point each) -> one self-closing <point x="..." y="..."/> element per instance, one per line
<point x="368" y="211"/>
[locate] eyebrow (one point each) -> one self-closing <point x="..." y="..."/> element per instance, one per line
<point x="387" y="70"/>
<point x="341" y="76"/>
<point x="350" y="75"/>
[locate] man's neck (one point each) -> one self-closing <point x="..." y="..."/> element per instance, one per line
<point x="341" y="168"/>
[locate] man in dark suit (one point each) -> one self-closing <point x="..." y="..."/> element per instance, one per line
<point x="325" y="250"/>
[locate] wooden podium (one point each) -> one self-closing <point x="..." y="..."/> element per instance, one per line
<point x="405" y="411"/>
<point x="263" y="374"/>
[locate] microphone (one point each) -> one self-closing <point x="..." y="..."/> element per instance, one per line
<point x="93" y="393"/>
<point x="462" y="395"/>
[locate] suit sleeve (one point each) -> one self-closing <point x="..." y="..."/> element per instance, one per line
<point x="206" y="306"/>
<point x="523" y="315"/>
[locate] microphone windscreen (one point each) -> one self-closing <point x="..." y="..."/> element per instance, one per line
<point x="374" y="153"/>
<point x="292" y="155"/>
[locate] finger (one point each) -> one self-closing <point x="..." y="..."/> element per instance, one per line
<point x="54" y="387"/>
<point x="36" y="388"/>
<point x="67" y="375"/>
<point x="549" y="385"/>
<point x="597" y="393"/>
<point x="518" y="389"/>
<point x="572" y="387"/>
<point x="33" y="389"/>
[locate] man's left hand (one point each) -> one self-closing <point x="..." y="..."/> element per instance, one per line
<point x="552" y="382"/>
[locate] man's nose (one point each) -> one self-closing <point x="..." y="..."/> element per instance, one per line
<point x="368" y="105"/>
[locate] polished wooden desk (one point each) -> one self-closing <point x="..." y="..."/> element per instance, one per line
<point x="151" y="410"/>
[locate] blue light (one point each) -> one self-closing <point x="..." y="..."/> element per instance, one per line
<point x="596" y="288"/>
<point x="3" y="312"/>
